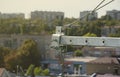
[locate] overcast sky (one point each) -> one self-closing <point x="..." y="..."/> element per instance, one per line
<point x="71" y="8"/>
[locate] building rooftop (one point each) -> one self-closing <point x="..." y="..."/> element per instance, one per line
<point x="81" y="59"/>
<point x="106" y="60"/>
<point x="107" y="75"/>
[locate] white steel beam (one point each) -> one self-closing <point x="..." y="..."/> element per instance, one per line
<point x="59" y="39"/>
<point x="90" y="41"/>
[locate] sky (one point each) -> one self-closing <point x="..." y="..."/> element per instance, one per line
<point x="71" y="8"/>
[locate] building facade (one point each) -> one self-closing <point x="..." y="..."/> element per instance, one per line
<point x="101" y="51"/>
<point x="103" y="65"/>
<point x="76" y="65"/>
<point x="48" y="16"/>
<point x="107" y="30"/>
<point x="85" y="15"/>
<point x="11" y="15"/>
<point x="114" y="14"/>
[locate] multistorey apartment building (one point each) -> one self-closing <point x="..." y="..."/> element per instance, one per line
<point x="11" y="15"/>
<point x="107" y="30"/>
<point x="87" y="15"/>
<point x="48" y="16"/>
<point x="115" y="14"/>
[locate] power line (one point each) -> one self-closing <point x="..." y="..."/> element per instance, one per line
<point x="98" y="7"/>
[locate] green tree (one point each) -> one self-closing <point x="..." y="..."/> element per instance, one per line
<point x="69" y="48"/>
<point x="68" y="20"/>
<point x="11" y="61"/>
<point x="30" y="70"/>
<point x="24" y="56"/>
<point x="114" y="35"/>
<point x="45" y="72"/>
<point x="90" y="35"/>
<point x="38" y="71"/>
<point x="29" y="53"/>
<point x="106" y="17"/>
<point x="3" y="52"/>
<point x="78" y="53"/>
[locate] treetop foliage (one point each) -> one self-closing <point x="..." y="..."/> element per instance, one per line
<point x="39" y="26"/>
<point x="37" y="71"/>
<point x="25" y="55"/>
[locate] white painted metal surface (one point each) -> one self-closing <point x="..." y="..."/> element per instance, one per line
<point x="60" y="39"/>
<point x="90" y="41"/>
